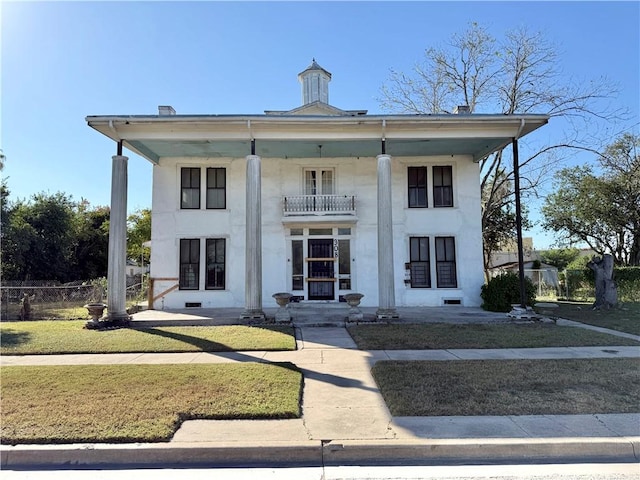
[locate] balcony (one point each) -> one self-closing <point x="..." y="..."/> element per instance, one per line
<point x="296" y="205"/>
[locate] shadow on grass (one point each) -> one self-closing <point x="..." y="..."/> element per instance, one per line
<point x="201" y="343"/>
<point x="11" y="338"/>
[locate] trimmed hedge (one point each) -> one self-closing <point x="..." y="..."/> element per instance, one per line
<point x="504" y="290"/>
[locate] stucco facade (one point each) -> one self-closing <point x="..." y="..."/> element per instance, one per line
<point x="285" y="177"/>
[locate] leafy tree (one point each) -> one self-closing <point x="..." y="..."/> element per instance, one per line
<point x="51" y="237"/>
<point x="518" y="73"/>
<point x="91" y="244"/>
<point x="138" y="232"/>
<point x="601" y="210"/>
<point x="39" y="238"/>
<point x="560" y="257"/>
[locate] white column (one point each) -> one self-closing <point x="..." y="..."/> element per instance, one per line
<point x="253" y="280"/>
<point x="116" y="271"/>
<point x="386" y="288"/>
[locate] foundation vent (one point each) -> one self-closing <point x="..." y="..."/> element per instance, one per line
<point x="452" y="301"/>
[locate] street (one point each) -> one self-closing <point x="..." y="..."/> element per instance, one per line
<point x="584" y="471"/>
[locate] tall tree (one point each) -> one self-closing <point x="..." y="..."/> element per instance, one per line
<point x="38" y="244"/>
<point x="51" y="237"/>
<point x="601" y="210"/>
<point x="91" y="245"/>
<point x="519" y="73"/>
<point x="139" y="232"/>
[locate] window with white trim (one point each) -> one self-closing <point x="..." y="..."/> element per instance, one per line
<point x="189" y="188"/>
<point x="216" y="188"/>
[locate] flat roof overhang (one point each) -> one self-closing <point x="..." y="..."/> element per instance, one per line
<point x="299" y="136"/>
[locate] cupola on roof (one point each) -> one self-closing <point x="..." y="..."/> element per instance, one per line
<point x="315" y="84"/>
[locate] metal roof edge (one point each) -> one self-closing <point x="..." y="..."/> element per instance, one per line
<point x="453" y="118"/>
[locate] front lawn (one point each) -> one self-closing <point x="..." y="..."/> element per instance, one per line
<point x="51" y="337"/>
<point x="625" y="318"/>
<point x="509" y="387"/>
<point x="442" y="336"/>
<point x="139" y="403"/>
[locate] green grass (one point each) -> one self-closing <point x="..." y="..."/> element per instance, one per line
<point x="509" y="387"/>
<point x="139" y="403"/>
<point x="427" y="336"/>
<point x="625" y="318"/>
<point x="51" y="337"/>
<point x="48" y="311"/>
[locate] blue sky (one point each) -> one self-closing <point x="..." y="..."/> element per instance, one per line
<point x="62" y="61"/>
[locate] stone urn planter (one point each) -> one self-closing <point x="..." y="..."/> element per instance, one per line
<point x="353" y="300"/>
<point x="95" y="312"/>
<point x="282" y="299"/>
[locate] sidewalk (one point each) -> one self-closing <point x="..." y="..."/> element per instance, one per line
<point x="345" y="419"/>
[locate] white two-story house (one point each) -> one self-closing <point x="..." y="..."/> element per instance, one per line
<point x="316" y="201"/>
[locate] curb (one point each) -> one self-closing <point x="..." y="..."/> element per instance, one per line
<point x="323" y="453"/>
<point x="622" y="449"/>
<point x="141" y="455"/>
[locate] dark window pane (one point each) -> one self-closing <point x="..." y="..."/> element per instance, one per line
<point x="216" y="188"/>
<point x="446" y="262"/>
<point x="190" y="188"/>
<point x="189" y="264"/>
<point x="297" y="265"/>
<point x="442" y="187"/>
<point x="215" y="263"/>
<point x="417" y="186"/>
<point x="320" y="231"/>
<point x="344" y="257"/>
<point x="297" y="257"/>
<point x="419" y="258"/>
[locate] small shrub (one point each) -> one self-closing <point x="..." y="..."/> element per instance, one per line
<point x="504" y="290"/>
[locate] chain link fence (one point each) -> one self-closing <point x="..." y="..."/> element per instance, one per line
<point x="546" y="282"/>
<point x="578" y="285"/>
<point x="44" y="300"/>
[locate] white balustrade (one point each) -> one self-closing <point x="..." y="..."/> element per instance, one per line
<point x="319" y="205"/>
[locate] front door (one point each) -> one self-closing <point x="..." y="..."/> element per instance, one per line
<point x="321" y="264"/>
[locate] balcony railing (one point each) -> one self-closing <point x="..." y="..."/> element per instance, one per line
<point x="319" y="205"/>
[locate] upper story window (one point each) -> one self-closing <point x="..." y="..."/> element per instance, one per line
<point x="318" y="182"/>
<point x="216" y="188"/>
<point x="417" y="186"/>
<point x="189" y="188"/>
<point x="442" y="187"/>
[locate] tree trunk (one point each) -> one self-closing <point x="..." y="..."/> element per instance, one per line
<point x="606" y="289"/>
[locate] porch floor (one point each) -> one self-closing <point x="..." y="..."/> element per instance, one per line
<point x="316" y="314"/>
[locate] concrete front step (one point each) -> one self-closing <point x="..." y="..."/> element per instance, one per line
<point x="313" y="314"/>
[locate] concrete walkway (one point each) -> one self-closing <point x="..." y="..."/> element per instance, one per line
<point x="345" y="419"/>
